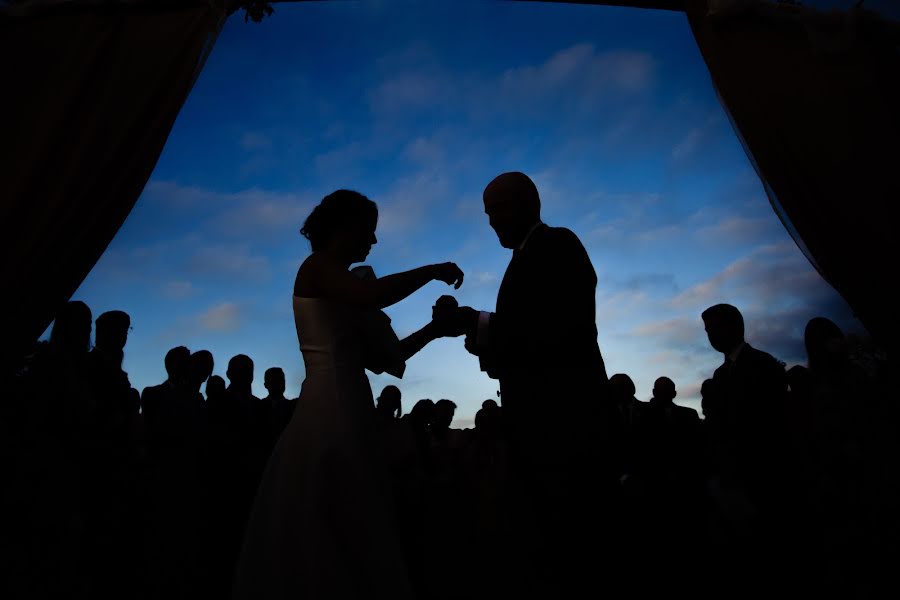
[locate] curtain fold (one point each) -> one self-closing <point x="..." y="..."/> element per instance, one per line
<point x="820" y="122"/>
<point x="90" y="96"/>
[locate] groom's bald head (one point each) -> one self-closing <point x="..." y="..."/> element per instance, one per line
<point x="514" y="187"/>
<point x="512" y="204"/>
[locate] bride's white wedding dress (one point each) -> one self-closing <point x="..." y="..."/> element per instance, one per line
<point x="323" y="523"/>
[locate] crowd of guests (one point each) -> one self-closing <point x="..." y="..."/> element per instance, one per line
<point x="789" y="480"/>
<point x="133" y="494"/>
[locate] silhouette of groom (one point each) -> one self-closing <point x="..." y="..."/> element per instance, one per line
<point x="541" y="344"/>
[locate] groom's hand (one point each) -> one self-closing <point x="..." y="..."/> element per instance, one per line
<point x="466" y="319"/>
<point x="452" y="320"/>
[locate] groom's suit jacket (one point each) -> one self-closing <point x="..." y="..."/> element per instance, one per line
<point x="541" y="343"/>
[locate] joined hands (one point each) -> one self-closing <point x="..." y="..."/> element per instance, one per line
<point x="452" y="320"/>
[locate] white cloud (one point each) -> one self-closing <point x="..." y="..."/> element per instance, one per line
<point x="405" y="91"/>
<point x="404" y="207"/>
<point x="574" y="78"/>
<point x="642" y="281"/>
<point x="232" y="261"/>
<point x="178" y="289"/>
<point x="703" y="293"/>
<point x="677" y="331"/>
<point x="638" y="219"/>
<point x="257" y="212"/>
<point x="245" y="213"/>
<point x="606" y="233"/>
<point x="703" y="137"/>
<point x="689" y="391"/>
<point x="337" y="159"/>
<point x="470" y="208"/>
<point x="580" y="71"/>
<point x="687" y="146"/>
<point x="741" y="229"/>
<point x="425" y="150"/>
<point x="484" y="278"/>
<point x="613" y="308"/>
<point x="177" y="195"/>
<point x="775" y="271"/>
<point x="463" y="422"/>
<point x="775" y="289"/>
<point x="658" y="234"/>
<point x="221" y="317"/>
<point x="557" y="70"/>
<point x="252" y="140"/>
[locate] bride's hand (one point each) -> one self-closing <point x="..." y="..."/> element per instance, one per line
<point x="449" y="273"/>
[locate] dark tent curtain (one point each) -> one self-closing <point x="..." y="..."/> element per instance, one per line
<point x="817" y="106"/>
<point x="90" y="95"/>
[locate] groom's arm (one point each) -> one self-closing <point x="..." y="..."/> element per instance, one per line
<point x="478" y="343"/>
<point x="554" y="314"/>
<point x="482" y="330"/>
<point x="475" y="325"/>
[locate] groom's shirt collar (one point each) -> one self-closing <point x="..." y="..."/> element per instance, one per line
<point x="528" y="235"/>
<point x="733" y="355"/>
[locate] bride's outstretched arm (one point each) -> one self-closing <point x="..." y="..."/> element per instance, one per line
<point x="411" y="344"/>
<point x="339" y="284"/>
<point x="394" y="288"/>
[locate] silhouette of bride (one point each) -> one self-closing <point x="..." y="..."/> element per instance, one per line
<point x="323" y="524"/>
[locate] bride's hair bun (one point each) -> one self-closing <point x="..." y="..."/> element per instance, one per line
<point x="335" y="211"/>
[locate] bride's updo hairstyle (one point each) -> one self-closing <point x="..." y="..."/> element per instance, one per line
<point x="335" y="212"/>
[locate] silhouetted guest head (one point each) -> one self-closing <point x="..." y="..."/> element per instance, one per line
<point x="798" y="380"/>
<point x="200" y="367"/>
<point x="388" y="402"/>
<point x="825" y="344"/>
<point x="724" y="327"/>
<point x="215" y="389"/>
<point x="240" y="371"/>
<point x="343" y="223"/>
<point x="72" y="328"/>
<point x="274" y="381"/>
<point x="443" y="413"/>
<point x="487" y="419"/>
<point x="664" y="390"/>
<point x="177" y="360"/>
<point x="513" y="207"/>
<point x="112" y="330"/>
<point x="422" y="414"/>
<point x="621" y="387"/>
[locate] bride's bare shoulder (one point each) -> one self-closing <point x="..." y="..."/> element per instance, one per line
<point x="315" y="274"/>
<point x="307" y="275"/>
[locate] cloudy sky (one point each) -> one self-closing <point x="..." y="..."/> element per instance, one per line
<point x="419" y="105"/>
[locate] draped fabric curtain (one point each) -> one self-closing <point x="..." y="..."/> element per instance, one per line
<point x="817" y="107"/>
<point x="90" y="93"/>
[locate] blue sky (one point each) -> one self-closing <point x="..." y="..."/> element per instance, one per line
<point x="419" y="105"/>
